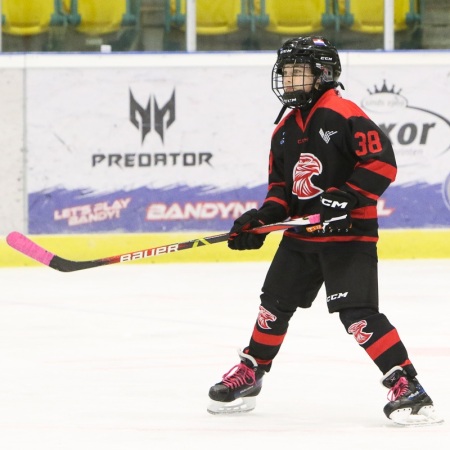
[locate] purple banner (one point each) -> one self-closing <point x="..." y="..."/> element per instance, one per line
<point x="183" y="209"/>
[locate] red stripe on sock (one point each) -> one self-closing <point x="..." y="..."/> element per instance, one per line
<point x="267" y="339"/>
<point x="263" y="362"/>
<point x="383" y="344"/>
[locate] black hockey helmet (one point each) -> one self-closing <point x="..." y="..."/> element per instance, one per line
<point x="325" y="64"/>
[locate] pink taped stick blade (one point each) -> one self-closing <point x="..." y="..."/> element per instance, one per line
<point x="22" y="244"/>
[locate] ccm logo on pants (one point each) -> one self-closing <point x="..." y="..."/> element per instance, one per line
<point x="337" y="296"/>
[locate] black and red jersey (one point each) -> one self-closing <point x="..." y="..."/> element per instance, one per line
<point x="336" y="145"/>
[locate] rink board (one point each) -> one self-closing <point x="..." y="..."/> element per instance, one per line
<point x="393" y="244"/>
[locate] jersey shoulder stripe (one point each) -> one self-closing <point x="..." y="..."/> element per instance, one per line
<point x="283" y="121"/>
<point x="345" y="108"/>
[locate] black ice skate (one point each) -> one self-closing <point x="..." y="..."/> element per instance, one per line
<point x="409" y="404"/>
<point x="238" y="389"/>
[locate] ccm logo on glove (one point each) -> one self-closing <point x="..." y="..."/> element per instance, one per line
<point x="335" y="209"/>
<point x="333" y="203"/>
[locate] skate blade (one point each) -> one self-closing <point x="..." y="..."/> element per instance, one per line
<point x="240" y="405"/>
<point x="425" y="416"/>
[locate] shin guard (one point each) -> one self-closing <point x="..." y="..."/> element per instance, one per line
<point x="268" y="334"/>
<point x="381" y="341"/>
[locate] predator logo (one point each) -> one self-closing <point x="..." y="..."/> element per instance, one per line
<point x="307" y="166"/>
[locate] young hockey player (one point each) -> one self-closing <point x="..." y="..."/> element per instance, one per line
<point x="326" y="157"/>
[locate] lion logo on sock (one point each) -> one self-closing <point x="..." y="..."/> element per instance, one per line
<point x="265" y="316"/>
<point x="357" y="330"/>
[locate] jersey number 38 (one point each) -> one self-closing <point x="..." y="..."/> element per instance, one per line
<point x="368" y="142"/>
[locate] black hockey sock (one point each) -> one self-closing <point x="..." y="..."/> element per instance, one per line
<point x="268" y="334"/>
<point x="379" y="338"/>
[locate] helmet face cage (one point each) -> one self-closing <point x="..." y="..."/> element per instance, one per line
<point x="292" y="83"/>
<point x="323" y="60"/>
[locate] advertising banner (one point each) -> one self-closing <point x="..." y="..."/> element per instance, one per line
<point x="150" y="149"/>
<point x="11" y="145"/>
<point x="414" y="112"/>
<point x="145" y="149"/>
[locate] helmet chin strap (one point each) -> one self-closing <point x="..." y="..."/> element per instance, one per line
<point x="280" y="115"/>
<point x="302" y="100"/>
<point x="308" y="100"/>
<point x="299" y="99"/>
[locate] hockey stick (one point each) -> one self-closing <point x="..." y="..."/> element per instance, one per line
<point x="29" y="248"/>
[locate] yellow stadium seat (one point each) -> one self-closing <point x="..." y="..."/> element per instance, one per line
<point x="96" y="17"/>
<point x="29" y="17"/>
<point x="213" y="17"/>
<point x="368" y="16"/>
<point x="292" y="17"/>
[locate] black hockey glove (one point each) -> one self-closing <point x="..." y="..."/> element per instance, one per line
<point x="246" y="241"/>
<point x="335" y="210"/>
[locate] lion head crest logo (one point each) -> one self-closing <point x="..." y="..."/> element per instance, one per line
<point x="308" y="165"/>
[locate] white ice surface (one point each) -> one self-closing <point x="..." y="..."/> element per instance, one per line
<point x="122" y="357"/>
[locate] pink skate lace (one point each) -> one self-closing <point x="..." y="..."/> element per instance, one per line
<point x="238" y="376"/>
<point x="399" y="388"/>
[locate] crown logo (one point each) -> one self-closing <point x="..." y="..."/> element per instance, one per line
<point x="384" y="90"/>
